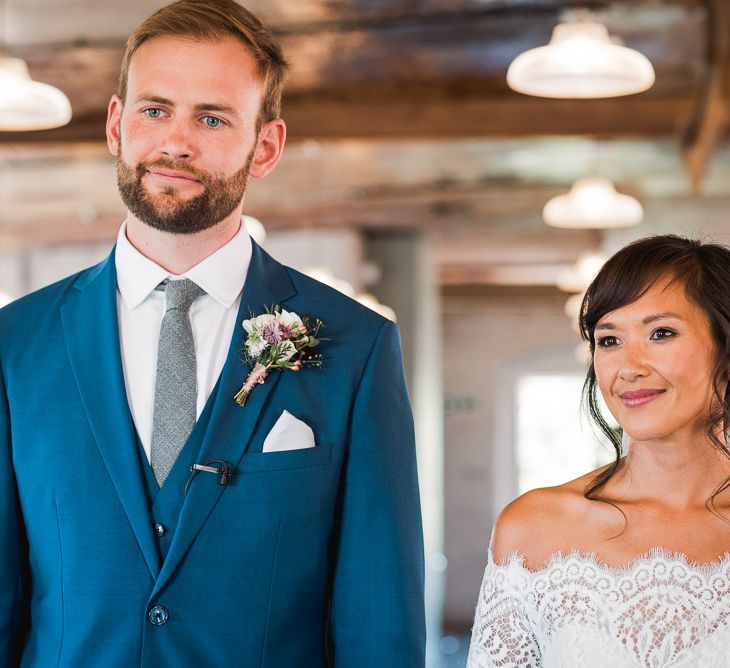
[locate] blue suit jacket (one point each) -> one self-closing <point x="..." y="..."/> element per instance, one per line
<point x="304" y="555"/>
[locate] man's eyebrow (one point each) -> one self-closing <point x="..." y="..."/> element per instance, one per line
<point x="646" y="321"/>
<point x="222" y="108"/>
<point x="154" y="98"/>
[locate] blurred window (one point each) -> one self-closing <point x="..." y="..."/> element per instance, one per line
<point x="555" y="441"/>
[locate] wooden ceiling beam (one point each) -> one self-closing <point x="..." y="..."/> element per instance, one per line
<point x="33" y="23"/>
<point x="709" y="121"/>
<point x="472" y="116"/>
<point x="417" y="77"/>
<point x="455" y="117"/>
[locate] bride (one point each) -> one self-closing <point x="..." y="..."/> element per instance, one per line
<point x="628" y="565"/>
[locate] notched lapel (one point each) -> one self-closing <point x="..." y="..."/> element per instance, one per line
<point x="231" y="426"/>
<point x="91" y="330"/>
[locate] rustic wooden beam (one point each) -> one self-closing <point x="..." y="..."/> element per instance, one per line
<point x="419" y="77"/>
<point x="467" y="255"/>
<point x="473" y="116"/>
<point x="31" y="23"/>
<point x="413" y="118"/>
<point x="710" y="119"/>
<point x="367" y="184"/>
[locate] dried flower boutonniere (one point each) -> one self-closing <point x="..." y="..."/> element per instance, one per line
<point x="278" y="339"/>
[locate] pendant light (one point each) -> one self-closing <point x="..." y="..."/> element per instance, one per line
<point x="581" y="61"/>
<point x="578" y="277"/>
<point x="593" y="203"/>
<point x="26" y="104"/>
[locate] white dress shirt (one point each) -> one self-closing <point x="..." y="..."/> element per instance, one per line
<point x="140" y="309"/>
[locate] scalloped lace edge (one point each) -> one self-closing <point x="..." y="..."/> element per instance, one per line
<point x="516" y="559"/>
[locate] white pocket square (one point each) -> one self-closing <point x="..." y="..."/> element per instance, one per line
<point x="289" y="433"/>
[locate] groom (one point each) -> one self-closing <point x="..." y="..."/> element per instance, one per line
<point x="146" y="519"/>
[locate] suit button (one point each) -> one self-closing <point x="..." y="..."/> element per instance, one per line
<point x="159" y="530"/>
<point x="158" y="615"/>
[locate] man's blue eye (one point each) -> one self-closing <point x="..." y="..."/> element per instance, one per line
<point x="212" y="121"/>
<point x="154" y="113"/>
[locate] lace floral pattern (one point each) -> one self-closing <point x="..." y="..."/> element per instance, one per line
<point x="659" y="611"/>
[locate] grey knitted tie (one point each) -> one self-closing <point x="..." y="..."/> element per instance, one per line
<point x="176" y="387"/>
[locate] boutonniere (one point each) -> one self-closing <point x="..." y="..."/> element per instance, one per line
<point x="278" y="339"/>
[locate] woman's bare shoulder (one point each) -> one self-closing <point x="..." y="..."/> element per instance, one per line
<point x="542" y="522"/>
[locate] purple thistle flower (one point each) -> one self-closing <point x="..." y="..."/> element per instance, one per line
<point x="275" y="332"/>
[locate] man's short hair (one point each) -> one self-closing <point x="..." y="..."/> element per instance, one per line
<point x="211" y="20"/>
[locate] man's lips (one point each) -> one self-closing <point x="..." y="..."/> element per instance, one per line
<point x="639" y="397"/>
<point x="172" y="176"/>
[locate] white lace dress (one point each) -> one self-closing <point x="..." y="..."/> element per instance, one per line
<point x="660" y="611"/>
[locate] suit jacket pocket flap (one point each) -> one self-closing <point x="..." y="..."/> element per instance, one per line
<point x="287" y="459"/>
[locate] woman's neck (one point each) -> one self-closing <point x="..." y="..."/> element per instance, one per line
<point x="678" y="473"/>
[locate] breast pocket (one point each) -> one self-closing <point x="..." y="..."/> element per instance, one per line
<point x="258" y="462"/>
<point x="293" y="483"/>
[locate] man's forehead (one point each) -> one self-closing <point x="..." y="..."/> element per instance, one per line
<point x="224" y="55"/>
<point x="180" y="68"/>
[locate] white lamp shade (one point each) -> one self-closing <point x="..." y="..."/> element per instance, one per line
<point x="593" y="203"/>
<point x="26" y="104"/>
<point x="578" y="277"/>
<point x="580" y="62"/>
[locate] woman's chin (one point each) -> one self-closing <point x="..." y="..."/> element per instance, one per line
<point x="634" y="434"/>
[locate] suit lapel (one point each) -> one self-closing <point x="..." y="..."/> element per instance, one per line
<point x="231" y="427"/>
<point x="91" y="330"/>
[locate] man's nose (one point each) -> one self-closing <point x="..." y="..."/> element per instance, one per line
<point x="178" y="142"/>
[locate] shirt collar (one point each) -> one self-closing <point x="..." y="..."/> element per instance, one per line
<point x="221" y="274"/>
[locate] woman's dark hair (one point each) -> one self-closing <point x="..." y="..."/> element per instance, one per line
<point x="703" y="269"/>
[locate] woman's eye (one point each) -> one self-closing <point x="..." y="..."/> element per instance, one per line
<point x="213" y="122"/>
<point x="607" y="341"/>
<point x="662" y="333"/>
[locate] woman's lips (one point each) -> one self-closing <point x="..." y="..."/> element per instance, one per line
<point x="639" y="397"/>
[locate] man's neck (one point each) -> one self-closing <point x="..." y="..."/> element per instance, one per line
<point x="177" y="253"/>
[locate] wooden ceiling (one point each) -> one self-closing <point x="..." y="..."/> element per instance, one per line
<point x="400" y="117"/>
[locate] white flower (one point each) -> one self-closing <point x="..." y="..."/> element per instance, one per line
<point x="290" y="319"/>
<point x="272" y="330"/>
<point x="256" y="324"/>
<point x="256" y="344"/>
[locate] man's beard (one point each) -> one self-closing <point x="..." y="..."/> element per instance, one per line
<point x="169" y="212"/>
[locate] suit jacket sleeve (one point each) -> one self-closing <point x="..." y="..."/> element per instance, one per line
<point x="13" y="606"/>
<point x="377" y="607"/>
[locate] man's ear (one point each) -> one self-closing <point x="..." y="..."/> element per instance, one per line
<point x="269" y="148"/>
<point x="113" y="120"/>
